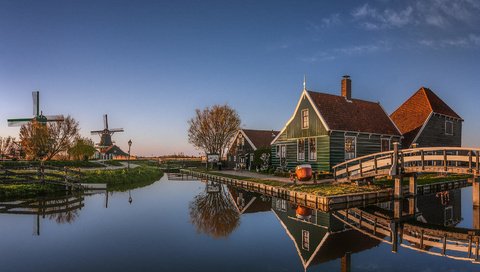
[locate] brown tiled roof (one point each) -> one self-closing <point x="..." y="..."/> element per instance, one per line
<point x="115" y="150"/>
<point x="260" y="138"/>
<point x="413" y="113"/>
<point x="353" y="115"/>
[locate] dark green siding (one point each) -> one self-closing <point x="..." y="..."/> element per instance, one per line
<point x="433" y="133"/>
<point x="294" y="129"/>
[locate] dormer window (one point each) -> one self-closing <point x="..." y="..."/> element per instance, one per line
<point x="448" y="128"/>
<point x="305" y="119"/>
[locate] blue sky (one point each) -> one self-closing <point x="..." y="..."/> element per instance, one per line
<point x="149" y="64"/>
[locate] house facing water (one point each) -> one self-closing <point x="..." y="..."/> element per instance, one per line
<point x="327" y="129"/>
<point x="241" y="151"/>
<point x="425" y="120"/>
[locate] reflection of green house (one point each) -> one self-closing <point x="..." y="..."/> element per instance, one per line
<point x="249" y="202"/>
<point x="319" y="237"/>
<point x="327" y="129"/>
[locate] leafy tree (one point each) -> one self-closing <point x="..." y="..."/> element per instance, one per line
<point x="82" y="149"/>
<point x="6" y="145"/>
<point x="44" y="141"/>
<point x="213" y="128"/>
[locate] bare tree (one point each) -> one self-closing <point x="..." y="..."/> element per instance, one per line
<point x="62" y="135"/>
<point x="34" y="140"/>
<point x="6" y="145"/>
<point x="214" y="213"/>
<point x="213" y="128"/>
<point x="44" y="141"/>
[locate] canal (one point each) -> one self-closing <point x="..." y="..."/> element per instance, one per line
<point x="175" y="225"/>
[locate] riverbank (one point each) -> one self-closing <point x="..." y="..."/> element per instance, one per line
<point x="124" y="179"/>
<point x="116" y="179"/>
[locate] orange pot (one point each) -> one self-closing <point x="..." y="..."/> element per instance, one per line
<point x="304" y="172"/>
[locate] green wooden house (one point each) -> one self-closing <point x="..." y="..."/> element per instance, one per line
<point x="327" y="129"/>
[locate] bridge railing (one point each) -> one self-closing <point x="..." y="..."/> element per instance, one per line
<point x="430" y="159"/>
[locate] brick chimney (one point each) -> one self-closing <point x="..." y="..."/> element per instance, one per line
<point x="347" y="87"/>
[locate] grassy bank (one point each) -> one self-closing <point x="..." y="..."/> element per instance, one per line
<point x="9" y="191"/>
<point x="124" y="179"/>
<point x="425" y="179"/>
<point x="76" y="164"/>
<point x="321" y="189"/>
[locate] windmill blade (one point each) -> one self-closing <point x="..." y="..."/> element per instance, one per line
<point x="105" y="121"/>
<point x="116" y="130"/>
<point x="55" y="118"/>
<point x="18" y="122"/>
<point x="36" y="103"/>
<point x="96" y="132"/>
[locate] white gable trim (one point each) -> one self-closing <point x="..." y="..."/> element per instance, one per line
<point x="304" y="94"/>
<point x="248" y="140"/>
<point x="233" y="140"/>
<point x="421" y="130"/>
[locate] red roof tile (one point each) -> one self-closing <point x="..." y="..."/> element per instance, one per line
<point x="260" y="138"/>
<point x="414" y="112"/>
<point x="353" y="115"/>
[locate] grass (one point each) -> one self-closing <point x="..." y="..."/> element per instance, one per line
<point x="425" y="179"/>
<point x="322" y="189"/>
<point x="8" y="191"/>
<point x="82" y="164"/>
<point x="124" y="179"/>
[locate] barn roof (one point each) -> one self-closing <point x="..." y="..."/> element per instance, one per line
<point x="353" y="115"/>
<point x="415" y="111"/>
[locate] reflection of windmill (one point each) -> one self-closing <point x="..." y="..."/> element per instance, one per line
<point x="37" y="114"/>
<point x="106" y="133"/>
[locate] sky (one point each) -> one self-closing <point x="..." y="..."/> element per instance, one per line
<point x="150" y="64"/>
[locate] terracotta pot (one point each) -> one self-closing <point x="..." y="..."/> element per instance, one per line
<point x="303" y="172"/>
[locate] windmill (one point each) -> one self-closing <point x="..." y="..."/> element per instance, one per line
<point x="106" y="133"/>
<point x="37" y="114"/>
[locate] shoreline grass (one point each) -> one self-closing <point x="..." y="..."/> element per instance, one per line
<point x="124" y="179"/>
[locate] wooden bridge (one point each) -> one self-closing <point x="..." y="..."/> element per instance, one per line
<point x="403" y="229"/>
<point x="454" y="160"/>
<point x="408" y="162"/>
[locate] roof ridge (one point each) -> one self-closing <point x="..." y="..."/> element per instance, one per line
<point x="351" y="99"/>
<point x="426" y="97"/>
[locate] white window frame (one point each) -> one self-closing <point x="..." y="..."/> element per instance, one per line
<point x="305" y="240"/>
<point x="307" y="116"/>
<point x="381" y="144"/>
<point x="300" y="156"/>
<point x="310" y="157"/>
<point x="277" y="151"/>
<point x="355" y="147"/>
<point x="283" y="151"/>
<point x="448" y="122"/>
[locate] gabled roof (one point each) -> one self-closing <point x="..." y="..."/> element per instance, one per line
<point x="415" y="112"/>
<point x="259" y="138"/>
<point x="115" y="150"/>
<point x="353" y="115"/>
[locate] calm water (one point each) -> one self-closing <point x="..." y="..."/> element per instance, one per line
<point x="179" y="226"/>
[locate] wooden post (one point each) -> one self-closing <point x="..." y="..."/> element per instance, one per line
<point x="346" y="263"/>
<point x="469" y="246"/>
<point x="360" y="166"/>
<point x="445" y="160"/>
<point x="421" y="239"/>
<point x="375" y="164"/>
<point x="423" y="159"/>
<point x="412" y="185"/>
<point x="470" y="161"/>
<point x="398" y="191"/>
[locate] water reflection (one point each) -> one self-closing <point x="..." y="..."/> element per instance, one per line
<point x="213" y="212"/>
<point x="61" y="209"/>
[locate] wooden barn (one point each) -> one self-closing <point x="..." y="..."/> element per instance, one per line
<point x="424" y="119"/>
<point x="327" y="129"/>
<point x="240" y="154"/>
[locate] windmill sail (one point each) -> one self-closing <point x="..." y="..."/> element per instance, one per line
<point x="105" y="121"/>
<point x="18" y="122"/>
<point x="36" y="103"/>
<point x="55" y="118"/>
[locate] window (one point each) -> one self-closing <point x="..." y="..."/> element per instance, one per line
<point x="281" y="151"/>
<point x="385" y="144"/>
<point x="350" y="147"/>
<point x="312" y="149"/>
<point x="304" y="118"/>
<point x="448" y="128"/>
<point x="305" y="240"/>
<point x="300" y="149"/>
